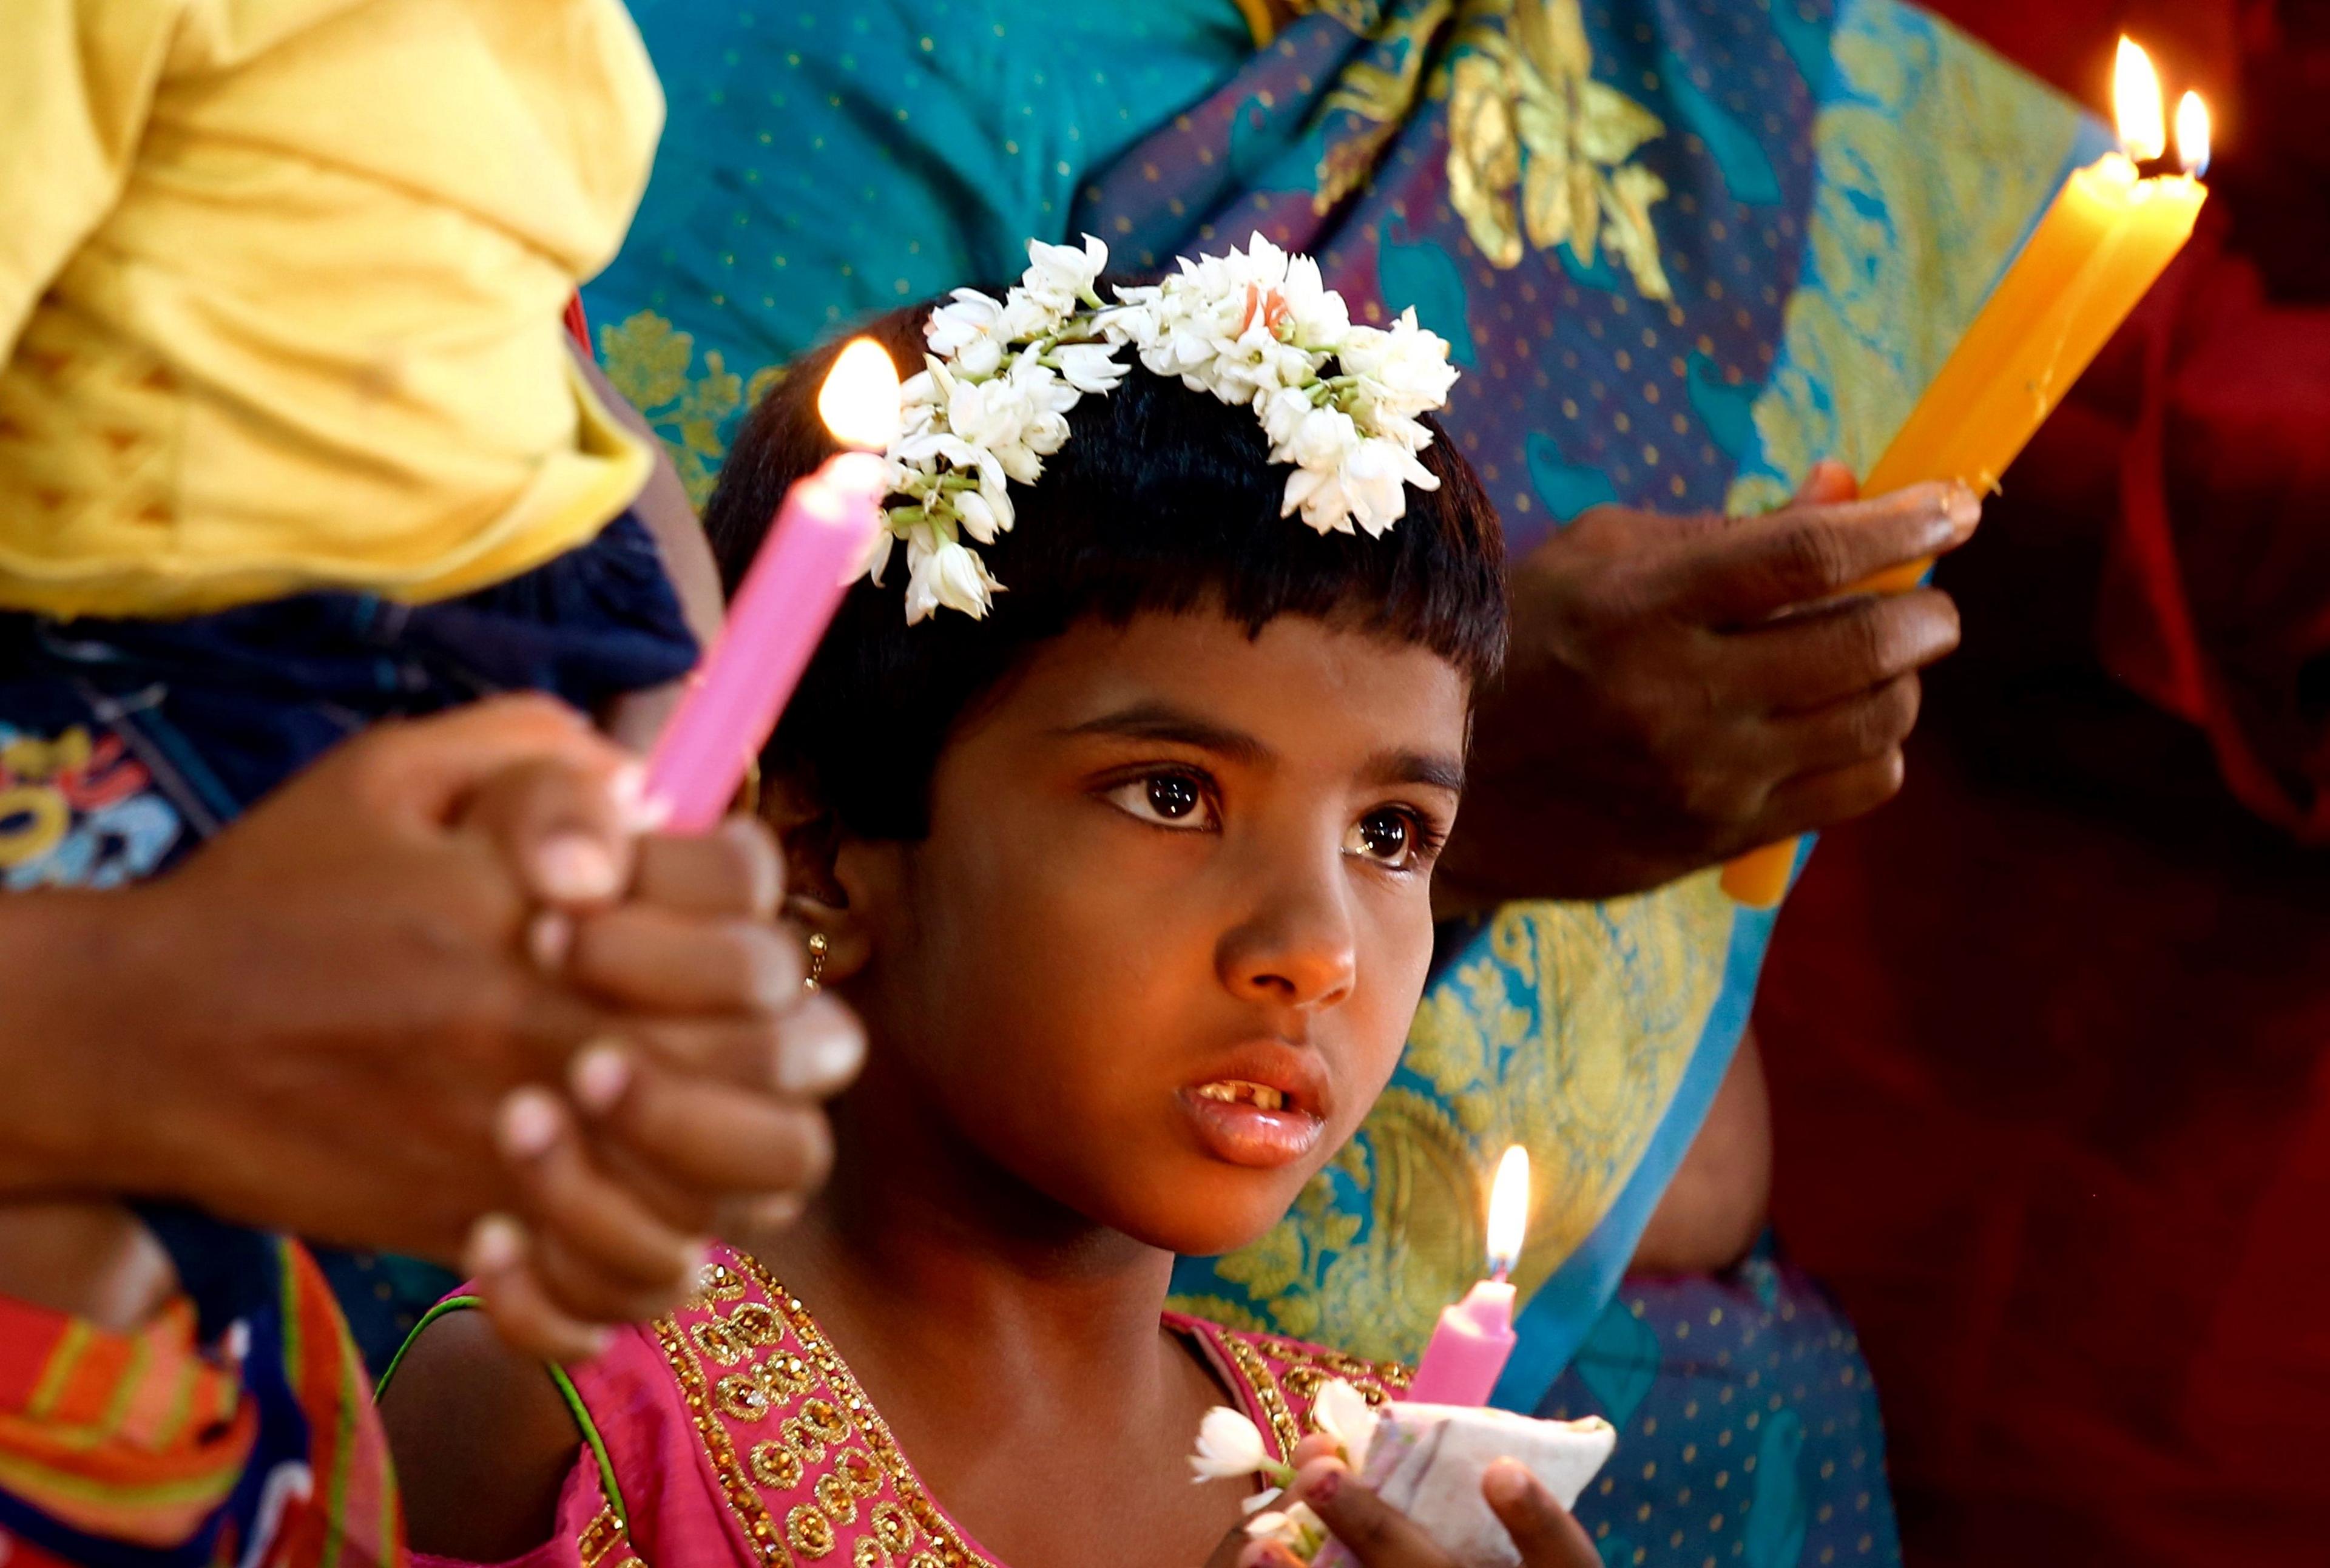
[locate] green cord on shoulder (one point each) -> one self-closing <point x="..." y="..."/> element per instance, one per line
<point x="566" y="1390"/>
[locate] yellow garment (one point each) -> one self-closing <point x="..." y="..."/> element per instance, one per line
<point x="281" y="283"/>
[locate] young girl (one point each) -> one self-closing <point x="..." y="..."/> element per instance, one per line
<point x="1127" y="865"/>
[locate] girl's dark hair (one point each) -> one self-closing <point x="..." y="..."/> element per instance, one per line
<point x="1162" y="500"/>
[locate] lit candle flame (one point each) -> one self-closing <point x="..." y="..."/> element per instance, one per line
<point x="1509" y="1204"/>
<point x="2192" y="134"/>
<point x="859" y="399"/>
<point x="2135" y="102"/>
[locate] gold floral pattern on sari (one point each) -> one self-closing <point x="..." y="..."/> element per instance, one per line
<point x="1537" y="148"/>
<point x="1378" y="96"/>
<point x="653" y="365"/>
<point x="1932" y="157"/>
<point x="1541" y="152"/>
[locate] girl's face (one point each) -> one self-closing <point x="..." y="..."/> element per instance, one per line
<point x="1158" y="956"/>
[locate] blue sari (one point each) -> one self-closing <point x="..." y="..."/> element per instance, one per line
<point x="1682" y="251"/>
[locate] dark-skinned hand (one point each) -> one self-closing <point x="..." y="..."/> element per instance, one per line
<point x="439" y="994"/>
<point x="1684" y="689"/>
<point x="1380" y="1536"/>
<point x="697" y="1115"/>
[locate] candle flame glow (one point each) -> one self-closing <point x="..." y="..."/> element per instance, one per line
<point x="2192" y="134"/>
<point x="2135" y="103"/>
<point x="859" y="399"/>
<point x="1509" y="1205"/>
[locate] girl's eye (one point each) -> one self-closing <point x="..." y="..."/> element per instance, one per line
<point x="1170" y="799"/>
<point x="1173" y="798"/>
<point x="1389" y="838"/>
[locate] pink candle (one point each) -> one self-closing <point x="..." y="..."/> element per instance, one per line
<point x="1468" y="1349"/>
<point x="815" y="549"/>
<point x="1475" y="1335"/>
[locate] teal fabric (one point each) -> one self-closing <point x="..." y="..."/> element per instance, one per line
<point x="1561" y="1313"/>
<point x="1748" y="1432"/>
<point x="825" y="162"/>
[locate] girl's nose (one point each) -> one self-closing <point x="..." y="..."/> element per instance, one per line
<point x="1299" y="946"/>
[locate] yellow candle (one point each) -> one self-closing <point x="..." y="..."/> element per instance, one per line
<point x="2105" y="239"/>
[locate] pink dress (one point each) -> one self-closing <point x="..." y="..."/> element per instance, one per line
<point x="730" y="1433"/>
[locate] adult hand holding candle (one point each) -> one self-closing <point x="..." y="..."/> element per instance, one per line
<point x="1475" y="1335"/>
<point x="2098" y="247"/>
<point x="816" y="548"/>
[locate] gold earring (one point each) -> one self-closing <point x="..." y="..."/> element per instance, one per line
<point x="816" y="961"/>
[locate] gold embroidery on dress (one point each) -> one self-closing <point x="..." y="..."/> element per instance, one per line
<point x="892" y="1527"/>
<point x="808" y="1530"/>
<point x="750" y="1394"/>
<point x="801" y="1440"/>
<point x="1305" y="1381"/>
<point x="755" y="1322"/>
<point x="736" y="1489"/>
<point x="835" y="1495"/>
<point x="720" y="1343"/>
<point x="856" y="1466"/>
<point x="601" y="1536"/>
<point x="838" y="1411"/>
<point x="1310" y="1368"/>
<point x="776" y="1467"/>
<point x="819" y="1417"/>
<point x="718" y="1282"/>
<point x="948" y="1549"/>
<point x="1256" y="1372"/>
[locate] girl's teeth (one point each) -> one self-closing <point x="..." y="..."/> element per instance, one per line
<point x="1236" y="1091"/>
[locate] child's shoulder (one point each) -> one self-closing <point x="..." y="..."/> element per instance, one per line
<point x="1278" y="1378"/>
<point x="486" y="1443"/>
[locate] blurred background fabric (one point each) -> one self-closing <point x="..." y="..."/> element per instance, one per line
<point x="2047" y="1035"/>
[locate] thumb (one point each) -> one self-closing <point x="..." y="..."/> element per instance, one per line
<point x="1827" y="482"/>
<point x="1542" y="1531"/>
<point x="565" y="825"/>
<point x="528" y="774"/>
<point x="428" y="770"/>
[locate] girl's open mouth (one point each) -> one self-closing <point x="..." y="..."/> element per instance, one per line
<point x="1244" y="1122"/>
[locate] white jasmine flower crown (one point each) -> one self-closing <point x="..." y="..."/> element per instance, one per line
<point x="1256" y="327"/>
